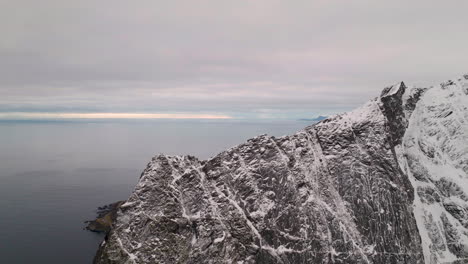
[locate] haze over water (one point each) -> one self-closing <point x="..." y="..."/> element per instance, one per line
<point x="53" y="175"/>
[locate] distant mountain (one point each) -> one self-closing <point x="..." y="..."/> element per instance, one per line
<point x="317" y="119"/>
<point x="385" y="183"/>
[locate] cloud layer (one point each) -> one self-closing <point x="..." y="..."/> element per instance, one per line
<point x="238" y="58"/>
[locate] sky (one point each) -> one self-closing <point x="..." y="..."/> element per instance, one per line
<point x="220" y="58"/>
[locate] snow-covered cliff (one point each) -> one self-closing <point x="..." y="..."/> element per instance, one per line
<point x="434" y="156"/>
<point x="386" y="183"/>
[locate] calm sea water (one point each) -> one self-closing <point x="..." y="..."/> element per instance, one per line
<point x="54" y="175"/>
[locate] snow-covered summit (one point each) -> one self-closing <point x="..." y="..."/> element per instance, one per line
<point x="385" y="183"/>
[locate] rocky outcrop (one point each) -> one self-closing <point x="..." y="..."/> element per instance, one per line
<point x="106" y="216"/>
<point x="350" y="189"/>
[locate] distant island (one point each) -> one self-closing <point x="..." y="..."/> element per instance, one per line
<point x="318" y="118"/>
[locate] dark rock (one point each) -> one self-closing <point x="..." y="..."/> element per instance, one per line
<point x="106" y="215"/>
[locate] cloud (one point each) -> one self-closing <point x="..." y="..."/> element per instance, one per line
<point x="236" y="57"/>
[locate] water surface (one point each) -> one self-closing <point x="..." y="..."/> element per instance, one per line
<point x="53" y="175"/>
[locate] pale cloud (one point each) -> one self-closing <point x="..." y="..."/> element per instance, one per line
<point x="292" y="59"/>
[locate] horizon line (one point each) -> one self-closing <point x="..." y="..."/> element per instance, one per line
<point x="107" y="115"/>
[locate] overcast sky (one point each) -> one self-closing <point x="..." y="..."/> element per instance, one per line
<point x="250" y="59"/>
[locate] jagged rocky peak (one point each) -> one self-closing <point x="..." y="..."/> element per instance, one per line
<point x="392" y="107"/>
<point x="385" y="183"/>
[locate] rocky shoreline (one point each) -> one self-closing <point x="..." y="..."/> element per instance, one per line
<point x="106" y="216"/>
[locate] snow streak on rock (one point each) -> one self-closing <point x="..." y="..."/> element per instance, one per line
<point x="386" y="183"/>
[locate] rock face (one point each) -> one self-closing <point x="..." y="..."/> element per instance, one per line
<point x="386" y="183"/>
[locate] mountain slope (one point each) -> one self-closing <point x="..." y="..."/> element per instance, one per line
<point x="346" y="190"/>
<point x="434" y="155"/>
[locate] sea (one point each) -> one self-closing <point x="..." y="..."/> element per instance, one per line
<point x="54" y="174"/>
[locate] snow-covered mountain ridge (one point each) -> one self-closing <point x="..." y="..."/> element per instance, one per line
<point x="385" y="183"/>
